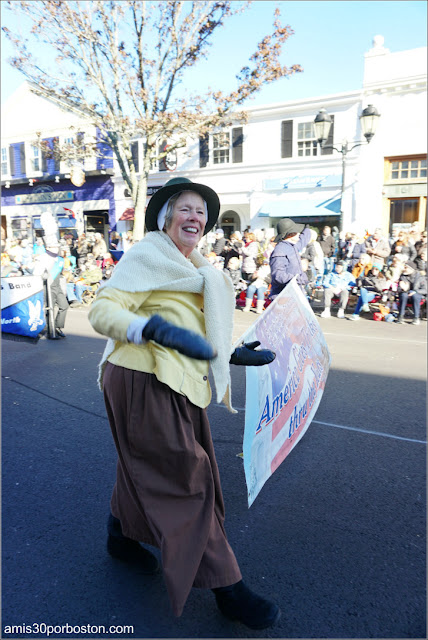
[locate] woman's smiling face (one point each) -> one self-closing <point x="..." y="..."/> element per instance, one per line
<point x="188" y="222"/>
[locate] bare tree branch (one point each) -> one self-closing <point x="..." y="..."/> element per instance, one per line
<point x="120" y="63"/>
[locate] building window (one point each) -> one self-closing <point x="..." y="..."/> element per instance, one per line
<point x="403" y="212"/>
<point x="221" y="146"/>
<point x="4" y="167"/>
<point x="306" y="140"/>
<point x="409" y="169"/>
<point x="35" y="159"/>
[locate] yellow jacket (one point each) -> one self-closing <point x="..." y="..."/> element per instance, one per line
<point x="114" y="310"/>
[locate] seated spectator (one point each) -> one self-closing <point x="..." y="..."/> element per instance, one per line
<point x="38" y="247"/>
<point x="99" y="248"/>
<point x="127" y="240"/>
<point x="362" y="267"/>
<point x="206" y="243"/>
<point x="220" y="242"/>
<point x="404" y="246"/>
<point x="114" y="241"/>
<point x="337" y="283"/>
<point x="421" y="244"/>
<point x="314" y="255"/>
<point x="74" y="288"/>
<point x="370" y="286"/>
<point x="261" y="239"/>
<point x="215" y="260"/>
<point x="393" y="236"/>
<point x="328" y="246"/>
<point x="414" y="235"/>
<point x="350" y="250"/>
<point x="421" y="262"/>
<point x="378" y="248"/>
<point x="311" y="274"/>
<point x="82" y="249"/>
<point x="413" y="286"/>
<point x="271" y="244"/>
<point x="260" y="280"/>
<point x="233" y="270"/>
<point x="394" y="270"/>
<point x="9" y="267"/>
<point x="107" y="265"/>
<point x="232" y="248"/>
<point x="249" y="253"/>
<point x="27" y="252"/>
<point x="15" y="251"/>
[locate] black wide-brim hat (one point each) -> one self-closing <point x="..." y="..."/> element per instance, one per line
<point x="174" y="186"/>
<point x="286" y="226"/>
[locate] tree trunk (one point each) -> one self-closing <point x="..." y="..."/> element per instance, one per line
<point x="140" y="207"/>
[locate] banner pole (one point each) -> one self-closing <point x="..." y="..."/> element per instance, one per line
<point x="50" y="311"/>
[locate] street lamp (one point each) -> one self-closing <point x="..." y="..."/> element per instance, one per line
<point x="322" y="124"/>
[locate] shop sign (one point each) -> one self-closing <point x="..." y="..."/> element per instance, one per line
<point x="405" y="190"/>
<point x="53" y="196"/>
<point x="302" y="182"/>
<point x="153" y="189"/>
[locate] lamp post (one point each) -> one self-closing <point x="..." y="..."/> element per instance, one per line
<point x="322" y="123"/>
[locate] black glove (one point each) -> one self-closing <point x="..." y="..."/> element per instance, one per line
<point x="186" y="342"/>
<point x="247" y="356"/>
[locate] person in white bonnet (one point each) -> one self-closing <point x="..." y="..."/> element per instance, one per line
<point x="100" y="246"/>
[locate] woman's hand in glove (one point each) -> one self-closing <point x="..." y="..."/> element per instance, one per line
<point x="249" y="357"/>
<point x="186" y="342"/>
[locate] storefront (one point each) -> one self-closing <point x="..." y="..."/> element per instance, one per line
<point x="405" y="191"/>
<point x="88" y="208"/>
<point x="307" y="199"/>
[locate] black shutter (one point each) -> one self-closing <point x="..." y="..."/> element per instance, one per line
<point x="327" y="152"/>
<point x="56" y="153"/>
<point x="12" y="160"/>
<point x="135" y="156"/>
<point x="286" y="139"/>
<point x="44" y="161"/>
<point x="22" y="157"/>
<point x="204" y="150"/>
<point x="237" y="144"/>
<point x="162" y="163"/>
<point x="80" y="146"/>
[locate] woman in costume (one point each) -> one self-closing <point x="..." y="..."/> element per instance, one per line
<point x="168" y="314"/>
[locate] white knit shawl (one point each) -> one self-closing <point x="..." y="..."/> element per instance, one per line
<point x="156" y="264"/>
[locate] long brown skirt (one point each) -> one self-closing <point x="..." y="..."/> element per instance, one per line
<point x="167" y="490"/>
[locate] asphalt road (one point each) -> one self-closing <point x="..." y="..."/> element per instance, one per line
<point x="336" y="536"/>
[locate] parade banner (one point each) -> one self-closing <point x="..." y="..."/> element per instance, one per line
<point x="22" y="305"/>
<point x="283" y="396"/>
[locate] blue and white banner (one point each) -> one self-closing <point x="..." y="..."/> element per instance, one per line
<point x="22" y="306"/>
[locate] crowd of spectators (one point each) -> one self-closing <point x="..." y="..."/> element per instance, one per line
<point x="84" y="260"/>
<point x="346" y="268"/>
<point x="353" y="271"/>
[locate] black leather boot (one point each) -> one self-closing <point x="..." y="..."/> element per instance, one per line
<point x="129" y="550"/>
<point x="238" y="602"/>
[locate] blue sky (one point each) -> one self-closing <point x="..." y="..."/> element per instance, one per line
<point x="329" y="42"/>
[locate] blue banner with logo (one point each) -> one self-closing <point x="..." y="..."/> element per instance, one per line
<point x="22" y="306"/>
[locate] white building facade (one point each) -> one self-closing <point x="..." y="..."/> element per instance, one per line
<point x="271" y="167"/>
<point x="34" y="182"/>
<point x="268" y="168"/>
